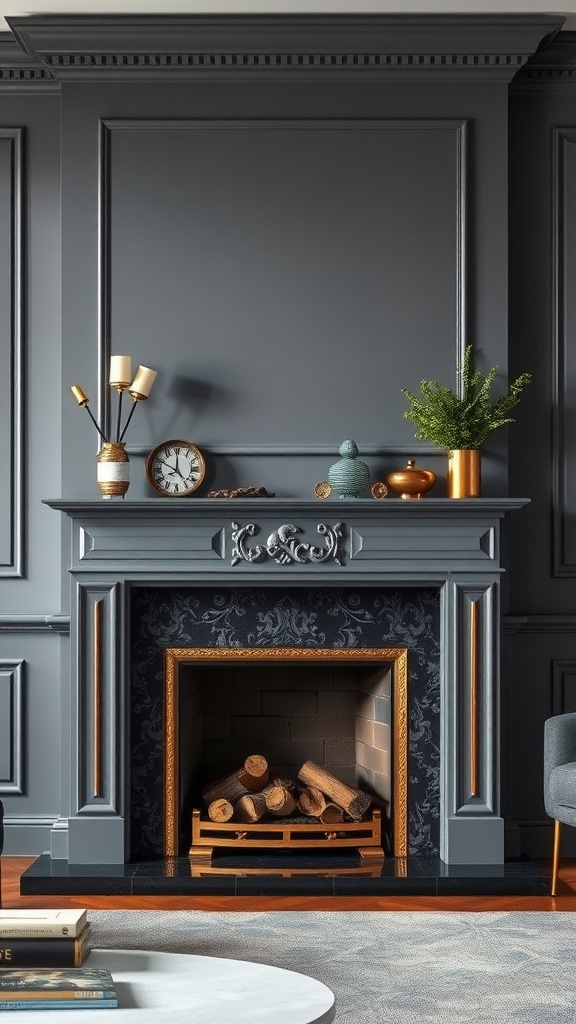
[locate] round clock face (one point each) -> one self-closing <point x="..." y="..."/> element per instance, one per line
<point x="175" y="468"/>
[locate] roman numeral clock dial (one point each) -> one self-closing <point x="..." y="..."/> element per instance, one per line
<point x="175" y="468"/>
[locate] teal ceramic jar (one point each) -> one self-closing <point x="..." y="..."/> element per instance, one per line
<point x="349" y="477"/>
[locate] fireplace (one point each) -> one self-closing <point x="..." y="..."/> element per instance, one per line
<point x="155" y="575"/>
<point x="348" y="679"/>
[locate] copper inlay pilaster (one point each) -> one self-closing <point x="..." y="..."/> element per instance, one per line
<point x="400" y="751"/>
<point x="171" y="661"/>
<point x="96" y="701"/>
<point x="174" y="656"/>
<point x="474" y="785"/>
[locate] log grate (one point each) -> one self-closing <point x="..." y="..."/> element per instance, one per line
<point x="363" y="836"/>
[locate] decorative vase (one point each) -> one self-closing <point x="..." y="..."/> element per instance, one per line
<point x="463" y="478"/>
<point x="411" y="482"/>
<point x="113" y="469"/>
<point x="349" y="477"/>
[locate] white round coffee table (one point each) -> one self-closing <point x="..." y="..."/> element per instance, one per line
<point x="184" y="989"/>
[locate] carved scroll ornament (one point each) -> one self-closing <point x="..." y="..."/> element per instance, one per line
<point x="284" y="546"/>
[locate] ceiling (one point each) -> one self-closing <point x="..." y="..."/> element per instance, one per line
<point x="10" y="8"/>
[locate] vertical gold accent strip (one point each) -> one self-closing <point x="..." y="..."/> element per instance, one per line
<point x="97" y="701"/>
<point x="174" y="656"/>
<point x="400" y="753"/>
<point x="474" y="784"/>
<point x="171" y="661"/>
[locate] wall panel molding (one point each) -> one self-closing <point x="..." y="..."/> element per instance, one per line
<point x="33" y="623"/>
<point x="563" y="366"/>
<point x="111" y="127"/>
<point x="12" y="726"/>
<point x="563" y="686"/>
<point x="12" y="405"/>
<point x="526" y="624"/>
<point x="307" y="450"/>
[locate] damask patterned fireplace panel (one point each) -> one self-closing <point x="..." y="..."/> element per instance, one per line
<point x="272" y="617"/>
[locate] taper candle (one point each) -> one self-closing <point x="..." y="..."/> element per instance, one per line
<point x="80" y="395"/>
<point x="141" y="386"/>
<point x="120" y="371"/>
<point x="82" y="399"/>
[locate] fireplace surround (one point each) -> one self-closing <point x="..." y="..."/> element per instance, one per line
<point x="399" y="553"/>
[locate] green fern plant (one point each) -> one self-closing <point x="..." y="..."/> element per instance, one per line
<point x="464" y="421"/>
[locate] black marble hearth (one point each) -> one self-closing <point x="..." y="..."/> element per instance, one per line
<point x="298" y="875"/>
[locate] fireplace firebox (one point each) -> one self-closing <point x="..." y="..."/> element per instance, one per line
<point x="346" y="713"/>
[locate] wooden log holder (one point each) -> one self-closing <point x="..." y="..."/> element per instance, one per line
<point x="363" y="836"/>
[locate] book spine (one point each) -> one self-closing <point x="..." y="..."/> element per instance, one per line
<point x="38" y="953"/>
<point x="56" y="1004"/>
<point x="75" y="995"/>
<point x="14" y="930"/>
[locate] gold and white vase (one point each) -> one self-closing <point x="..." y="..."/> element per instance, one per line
<point x="113" y="469"/>
<point x="463" y="477"/>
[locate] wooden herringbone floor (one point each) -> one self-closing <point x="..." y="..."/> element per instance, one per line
<point x="12" y="868"/>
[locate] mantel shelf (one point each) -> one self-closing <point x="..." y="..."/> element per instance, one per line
<point x="232" y="508"/>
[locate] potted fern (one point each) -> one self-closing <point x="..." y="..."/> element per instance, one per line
<point x="461" y="421"/>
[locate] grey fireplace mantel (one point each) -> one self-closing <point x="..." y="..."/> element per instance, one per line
<point x="451" y="544"/>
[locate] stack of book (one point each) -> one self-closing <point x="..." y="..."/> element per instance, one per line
<point x="56" y="989"/>
<point x="44" y="938"/>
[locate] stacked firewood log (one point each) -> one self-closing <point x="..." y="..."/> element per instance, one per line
<point x="253" y="793"/>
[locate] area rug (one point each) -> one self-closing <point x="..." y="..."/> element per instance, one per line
<point x="386" y="967"/>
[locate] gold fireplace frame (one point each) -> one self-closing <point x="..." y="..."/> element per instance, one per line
<point x="397" y="656"/>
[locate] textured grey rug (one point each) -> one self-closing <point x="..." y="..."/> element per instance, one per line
<point x="386" y="967"/>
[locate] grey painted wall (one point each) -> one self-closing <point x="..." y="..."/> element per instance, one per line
<point x="314" y="257"/>
<point x="30" y="575"/>
<point x="288" y="248"/>
<point x="541" y="634"/>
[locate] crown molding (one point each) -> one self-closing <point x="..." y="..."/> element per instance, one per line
<point x="18" y="70"/>
<point x="283" y="46"/>
<point x="553" y="63"/>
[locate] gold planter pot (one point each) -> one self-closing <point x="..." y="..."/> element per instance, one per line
<point x="463" y="479"/>
<point x="113" y="470"/>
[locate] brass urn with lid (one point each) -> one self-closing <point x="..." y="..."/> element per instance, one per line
<point x="411" y="482"/>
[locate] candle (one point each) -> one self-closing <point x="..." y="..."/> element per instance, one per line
<point x="141" y="386"/>
<point x="120" y="371"/>
<point x="80" y="395"/>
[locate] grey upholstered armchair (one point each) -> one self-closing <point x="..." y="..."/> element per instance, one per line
<point x="560" y="778"/>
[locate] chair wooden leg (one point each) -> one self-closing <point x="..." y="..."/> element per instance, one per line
<point x="555" y="856"/>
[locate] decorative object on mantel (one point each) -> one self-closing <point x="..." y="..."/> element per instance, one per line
<point x="323" y="489"/>
<point x="349" y="477"/>
<point x="241" y="492"/>
<point x="411" y="482"/>
<point x="113" y="464"/>
<point x="460" y="421"/>
<point x="378" y="489"/>
<point x="284" y="546"/>
<point x="175" y="468"/>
